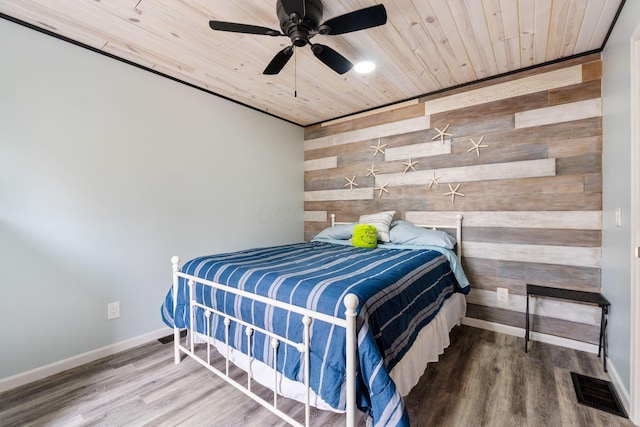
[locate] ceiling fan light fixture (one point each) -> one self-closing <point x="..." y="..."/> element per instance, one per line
<point x="364" y="67"/>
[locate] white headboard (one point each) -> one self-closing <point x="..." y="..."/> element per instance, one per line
<point x="454" y="225"/>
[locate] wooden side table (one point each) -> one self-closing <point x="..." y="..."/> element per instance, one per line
<point x="577" y="296"/>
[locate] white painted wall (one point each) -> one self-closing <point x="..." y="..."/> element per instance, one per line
<point x="616" y="167"/>
<point x="106" y="171"/>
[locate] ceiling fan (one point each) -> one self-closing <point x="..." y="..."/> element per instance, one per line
<point x="300" y="21"/>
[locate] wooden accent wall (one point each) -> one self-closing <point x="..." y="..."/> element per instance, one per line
<point x="532" y="201"/>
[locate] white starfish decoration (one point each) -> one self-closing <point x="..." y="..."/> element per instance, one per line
<point x="477" y="146"/>
<point x="441" y="134"/>
<point x="434" y="180"/>
<point x="372" y="170"/>
<point x="410" y="165"/>
<point x="378" y="148"/>
<point x="453" y="193"/>
<point x="351" y="182"/>
<point x="382" y="188"/>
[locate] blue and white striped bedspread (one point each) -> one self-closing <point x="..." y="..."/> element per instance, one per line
<point x="400" y="291"/>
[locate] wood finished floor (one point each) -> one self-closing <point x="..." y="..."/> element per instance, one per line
<point x="483" y="379"/>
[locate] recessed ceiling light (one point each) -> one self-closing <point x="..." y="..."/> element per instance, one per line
<point x="364" y="67"/>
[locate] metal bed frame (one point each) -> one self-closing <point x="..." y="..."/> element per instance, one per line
<point x="187" y="346"/>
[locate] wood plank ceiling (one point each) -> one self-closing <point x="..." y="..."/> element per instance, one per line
<point x="426" y="45"/>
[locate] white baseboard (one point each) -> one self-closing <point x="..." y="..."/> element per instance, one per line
<point x="533" y="336"/>
<point x="73" y="362"/>
<point x="623" y="393"/>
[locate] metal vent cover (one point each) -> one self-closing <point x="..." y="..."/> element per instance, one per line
<point x="598" y="394"/>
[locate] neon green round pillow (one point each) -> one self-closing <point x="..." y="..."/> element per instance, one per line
<point x="365" y="236"/>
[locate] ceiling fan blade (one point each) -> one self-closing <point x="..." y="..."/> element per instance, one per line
<point x="331" y="58"/>
<point x="354" y="21"/>
<point x="243" y="28"/>
<point x="279" y="61"/>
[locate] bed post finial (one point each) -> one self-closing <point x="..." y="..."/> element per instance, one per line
<point x="333" y="219"/>
<point x="459" y="235"/>
<point x="351" y="302"/>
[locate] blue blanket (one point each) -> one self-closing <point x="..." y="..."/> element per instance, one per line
<point x="400" y="291"/>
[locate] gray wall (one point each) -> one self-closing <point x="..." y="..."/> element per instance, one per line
<point x="616" y="167"/>
<point x="106" y="171"/>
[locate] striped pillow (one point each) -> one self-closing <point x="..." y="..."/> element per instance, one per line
<point x="381" y="221"/>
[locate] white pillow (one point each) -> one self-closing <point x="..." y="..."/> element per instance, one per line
<point x="381" y="221"/>
<point x="405" y="233"/>
<point x="338" y="232"/>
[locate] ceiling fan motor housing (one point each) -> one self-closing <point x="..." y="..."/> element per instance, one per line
<point x="297" y="27"/>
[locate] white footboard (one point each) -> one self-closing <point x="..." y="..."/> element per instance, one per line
<point x="309" y="316"/>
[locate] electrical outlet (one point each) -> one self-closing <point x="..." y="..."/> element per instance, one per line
<point x="502" y="294"/>
<point x="619" y="217"/>
<point x="113" y="310"/>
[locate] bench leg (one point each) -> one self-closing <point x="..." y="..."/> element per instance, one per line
<point x="526" y="327"/>
<point x="602" y="343"/>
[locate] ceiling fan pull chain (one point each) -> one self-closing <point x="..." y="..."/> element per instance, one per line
<point x="295" y="74"/>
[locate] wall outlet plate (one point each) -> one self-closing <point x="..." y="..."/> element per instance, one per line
<point x="113" y="310"/>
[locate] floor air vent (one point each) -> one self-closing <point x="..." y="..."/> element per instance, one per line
<point x="597" y="393"/>
<point x="169" y="338"/>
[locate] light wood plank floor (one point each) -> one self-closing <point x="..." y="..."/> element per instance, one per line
<point x="483" y="379"/>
